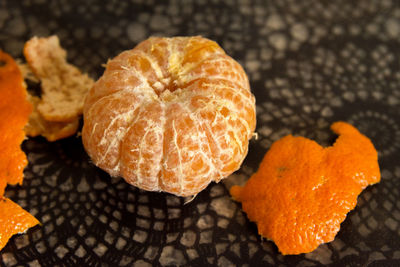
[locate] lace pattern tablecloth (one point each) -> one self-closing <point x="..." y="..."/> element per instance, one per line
<point x="310" y="63"/>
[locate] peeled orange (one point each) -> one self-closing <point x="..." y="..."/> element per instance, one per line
<point x="172" y="114"/>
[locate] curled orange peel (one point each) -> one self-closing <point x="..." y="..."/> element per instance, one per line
<point x="302" y="192"/>
<point x="14" y="113"/>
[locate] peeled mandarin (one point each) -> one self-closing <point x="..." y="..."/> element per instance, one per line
<point x="302" y="192"/>
<point x="172" y="114"/>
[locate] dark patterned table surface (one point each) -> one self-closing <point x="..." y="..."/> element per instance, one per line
<point x="310" y="63"/>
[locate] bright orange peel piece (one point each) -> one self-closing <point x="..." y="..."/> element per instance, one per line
<point x="14" y="113"/>
<point x="13" y="220"/>
<point x="302" y="192"/>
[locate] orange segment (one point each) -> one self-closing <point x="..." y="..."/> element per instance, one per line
<point x="302" y="191"/>
<point x="13" y="220"/>
<point x="14" y="113"/>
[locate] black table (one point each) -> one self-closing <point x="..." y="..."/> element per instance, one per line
<point x="310" y="63"/>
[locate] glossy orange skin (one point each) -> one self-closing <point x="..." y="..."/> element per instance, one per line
<point x="302" y="191"/>
<point x="14" y="113"/>
<point x="13" y="220"/>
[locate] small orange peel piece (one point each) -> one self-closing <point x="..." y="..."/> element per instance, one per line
<point x="13" y="220"/>
<point x="14" y="113"/>
<point x="302" y="192"/>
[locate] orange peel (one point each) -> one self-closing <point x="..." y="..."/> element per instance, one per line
<point x="302" y="192"/>
<point x="13" y="220"/>
<point x="14" y="113"/>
